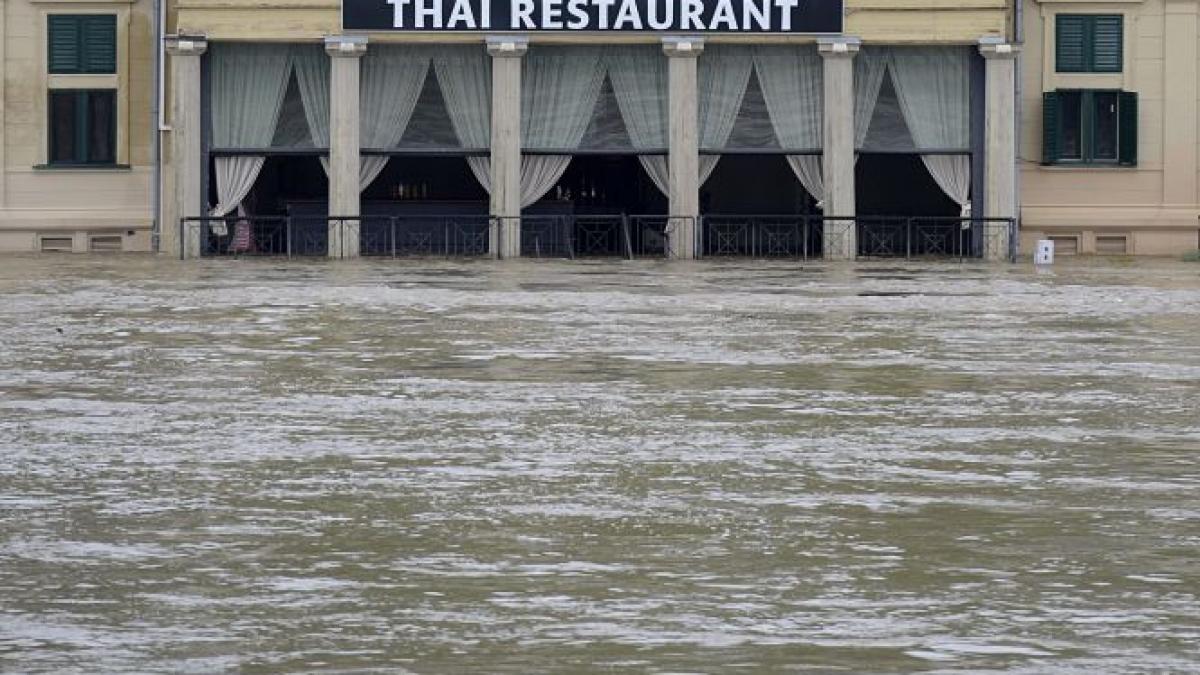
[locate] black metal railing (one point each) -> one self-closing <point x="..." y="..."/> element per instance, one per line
<point x="817" y="236"/>
<point x="802" y="237"/>
<point x="425" y="235"/>
<point x="593" y="235"/>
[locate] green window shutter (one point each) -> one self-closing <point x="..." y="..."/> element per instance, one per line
<point x="1107" y="44"/>
<point x="82" y="44"/>
<point x="1127" y="129"/>
<point x="1070" y="39"/>
<point x="1050" y="114"/>
<point x="99" y="44"/>
<point x="63" y="40"/>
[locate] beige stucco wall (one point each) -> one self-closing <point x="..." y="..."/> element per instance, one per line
<point x="1154" y="204"/>
<point x="76" y="203"/>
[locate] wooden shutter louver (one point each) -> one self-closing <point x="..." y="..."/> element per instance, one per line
<point x="1050" y="115"/>
<point x="99" y="37"/>
<point x="1107" y="41"/>
<point x="1070" y="38"/>
<point x="63" y="43"/>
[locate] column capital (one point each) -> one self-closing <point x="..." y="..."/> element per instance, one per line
<point x="507" y="46"/>
<point x="838" y="47"/>
<point x="683" y="46"/>
<point x="345" y="46"/>
<point x="186" y="45"/>
<point x="995" y="47"/>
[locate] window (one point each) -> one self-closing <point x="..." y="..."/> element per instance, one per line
<point x="82" y="122"/>
<point x="82" y="44"/>
<point x="1088" y="43"/>
<point x="1087" y="126"/>
<point x="83" y="126"/>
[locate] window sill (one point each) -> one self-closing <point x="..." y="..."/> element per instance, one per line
<point x="82" y="168"/>
<point x="1084" y="166"/>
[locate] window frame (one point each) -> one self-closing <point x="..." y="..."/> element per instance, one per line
<point x="82" y="130"/>
<point x="1087" y="128"/>
<point x="1088" y="47"/>
<point x="46" y="81"/>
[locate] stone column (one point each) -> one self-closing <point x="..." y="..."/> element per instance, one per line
<point x="345" y="55"/>
<point x="187" y="157"/>
<point x="683" y="162"/>
<point x="840" y="239"/>
<point x="1000" y="136"/>
<point x="505" y="234"/>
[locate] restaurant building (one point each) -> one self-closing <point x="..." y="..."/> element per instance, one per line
<point x="1109" y="146"/>
<point x="525" y="127"/>
<point x="77" y="125"/>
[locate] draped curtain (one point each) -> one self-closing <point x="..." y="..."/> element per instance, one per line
<point x="560" y="86"/>
<point x="933" y="87"/>
<point x="869" y="68"/>
<point x="392" y="79"/>
<point x="791" y="78"/>
<point x="464" y="74"/>
<point x="312" y="79"/>
<point x="638" y="74"/>
<point x="722" y="74"/>
<point x="248" y="83"/>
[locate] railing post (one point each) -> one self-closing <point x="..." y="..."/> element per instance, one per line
<point x="628" y="239"/>
<point x="908" y="238"/>
<point x="392" y="228"/>
<point x="287" y="224"/>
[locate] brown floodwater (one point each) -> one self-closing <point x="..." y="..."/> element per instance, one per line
<point x="432" y="466"/>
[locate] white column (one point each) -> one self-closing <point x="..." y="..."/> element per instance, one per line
<point x="683" y="165"/>
<point x="840" y="236"/>
<point x="345" y="54"/>
<point x="187" y="157"/>
<point x="505" y="235"/>
<point x="1000" y="121"/>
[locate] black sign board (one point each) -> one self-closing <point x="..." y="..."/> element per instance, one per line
<point x="664" y="16"/>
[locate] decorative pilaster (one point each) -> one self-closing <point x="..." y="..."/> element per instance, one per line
<point x="683" y="163"/>
<point x="840" y="239"/>
<point x="345" y="201"/>
<point x="1000" y="122"/>
<point x="1181" y="162"/>
<point x="505" y="234"/>
<point x="187" y="157"/>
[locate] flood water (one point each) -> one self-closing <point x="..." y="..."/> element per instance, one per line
<point x="419" y="466"/>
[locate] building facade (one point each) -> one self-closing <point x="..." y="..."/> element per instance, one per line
<point x="402" y="112"/>
<point x="1109" y="140"/>
<point x="77" y="152"/>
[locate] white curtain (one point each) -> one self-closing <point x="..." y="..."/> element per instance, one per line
<point x="312" y="79"/>
<point x="248" y="84"/>
<point x="722" y="74"/>
<point x="392" y="79"/>
<point x="792" y="84"/>
<point x="465" y="77"/>
<point x="869" y="68"/>
<point x="638" y="74"/>
<point x="559" y="88"/>
<point x="933" y="87"/>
